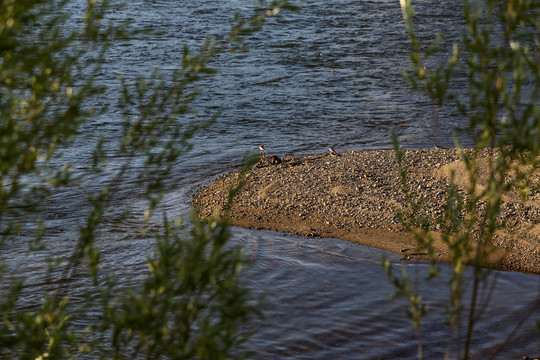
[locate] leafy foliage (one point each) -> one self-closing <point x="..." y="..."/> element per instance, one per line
<point x="191" y="302"/>
<point x="194" y="316"/>
<point x="498" y="55"/>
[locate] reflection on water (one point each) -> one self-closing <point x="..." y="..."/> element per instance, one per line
<point x="327" y="298"/>
<point x="328" y="75"/>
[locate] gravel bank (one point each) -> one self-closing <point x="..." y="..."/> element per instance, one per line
<point x="355" y="197"/>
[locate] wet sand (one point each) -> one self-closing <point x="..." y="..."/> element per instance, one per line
<point x="355" y="196"/>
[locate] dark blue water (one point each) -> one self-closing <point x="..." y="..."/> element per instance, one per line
<point x="330" y="74"/>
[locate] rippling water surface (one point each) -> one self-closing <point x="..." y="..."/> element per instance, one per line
<point x="327" y="75"/>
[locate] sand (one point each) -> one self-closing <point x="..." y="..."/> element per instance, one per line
<point x="355" y="196"/>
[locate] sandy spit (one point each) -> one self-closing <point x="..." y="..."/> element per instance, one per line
<point x="355" y="196"/>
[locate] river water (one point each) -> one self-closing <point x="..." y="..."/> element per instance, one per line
<point x="328" y="75"/>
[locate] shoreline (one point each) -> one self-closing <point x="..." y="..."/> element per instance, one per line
<point x="355" y="197"/>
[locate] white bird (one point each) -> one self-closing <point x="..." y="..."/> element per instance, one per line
<point x="333" y="152"/>
<point x="263" y="150"/>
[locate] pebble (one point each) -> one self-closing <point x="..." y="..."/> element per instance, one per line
<point x="310" y="183"/>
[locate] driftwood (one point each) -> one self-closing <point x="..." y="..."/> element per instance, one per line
<point x="274" y="160"/>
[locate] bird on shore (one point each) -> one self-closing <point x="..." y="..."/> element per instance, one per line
<point x="333" y="152"/>
<point x="263" y="150"/>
